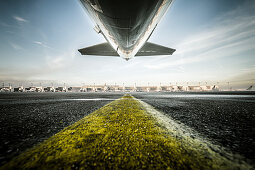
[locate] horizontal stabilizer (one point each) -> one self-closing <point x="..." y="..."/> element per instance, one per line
<point x="103" y="49"/>
<point x="150" y="49"/>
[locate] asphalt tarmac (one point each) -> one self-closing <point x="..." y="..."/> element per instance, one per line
<point x="29" y="118"/>
<point x="226" y="119"/>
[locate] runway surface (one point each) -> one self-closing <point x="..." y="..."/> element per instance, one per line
<point x="29" y="118"/>
<point x="226" y="119"/>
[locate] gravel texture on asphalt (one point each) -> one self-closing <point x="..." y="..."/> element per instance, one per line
<point x="29" y="118"/>
<point x="125" y="134"/>
<point x="225" y="118"/>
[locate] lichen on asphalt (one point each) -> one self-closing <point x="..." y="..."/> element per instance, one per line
<point x="120" y="135"/>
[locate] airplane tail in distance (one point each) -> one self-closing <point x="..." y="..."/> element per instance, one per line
<point x="105" y="49"/>
<point x="249" y="88"/>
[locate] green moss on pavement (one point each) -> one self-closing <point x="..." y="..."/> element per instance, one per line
<point x="120" y="135"/>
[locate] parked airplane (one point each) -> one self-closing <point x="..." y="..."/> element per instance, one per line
<point x="126" y="25"/>
<point x="249" y="88"/>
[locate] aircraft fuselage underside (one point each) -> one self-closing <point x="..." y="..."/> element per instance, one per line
<point x="126" y="24"/>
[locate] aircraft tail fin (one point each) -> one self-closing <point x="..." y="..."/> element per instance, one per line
<point x="249" y="88"/>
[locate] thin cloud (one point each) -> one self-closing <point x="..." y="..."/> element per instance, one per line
<point x="59" y="62"/>
<point x="249" y="70"/>
<point x="20" y="19"/>
<point x="4" y="24"/>
<point x="222" y="34"/>
<point x="15" y="46"/>
<point x="229" y="36"/>
<point x="42" y="44"/>
<point x="44" y="70"/>
<point x="38" y="42"/>
<point x="244" y="77"/>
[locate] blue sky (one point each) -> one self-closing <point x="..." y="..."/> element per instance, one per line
<point x="215" y="42"/>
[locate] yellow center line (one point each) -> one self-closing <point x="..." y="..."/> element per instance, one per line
<point x="120" y="135"/>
